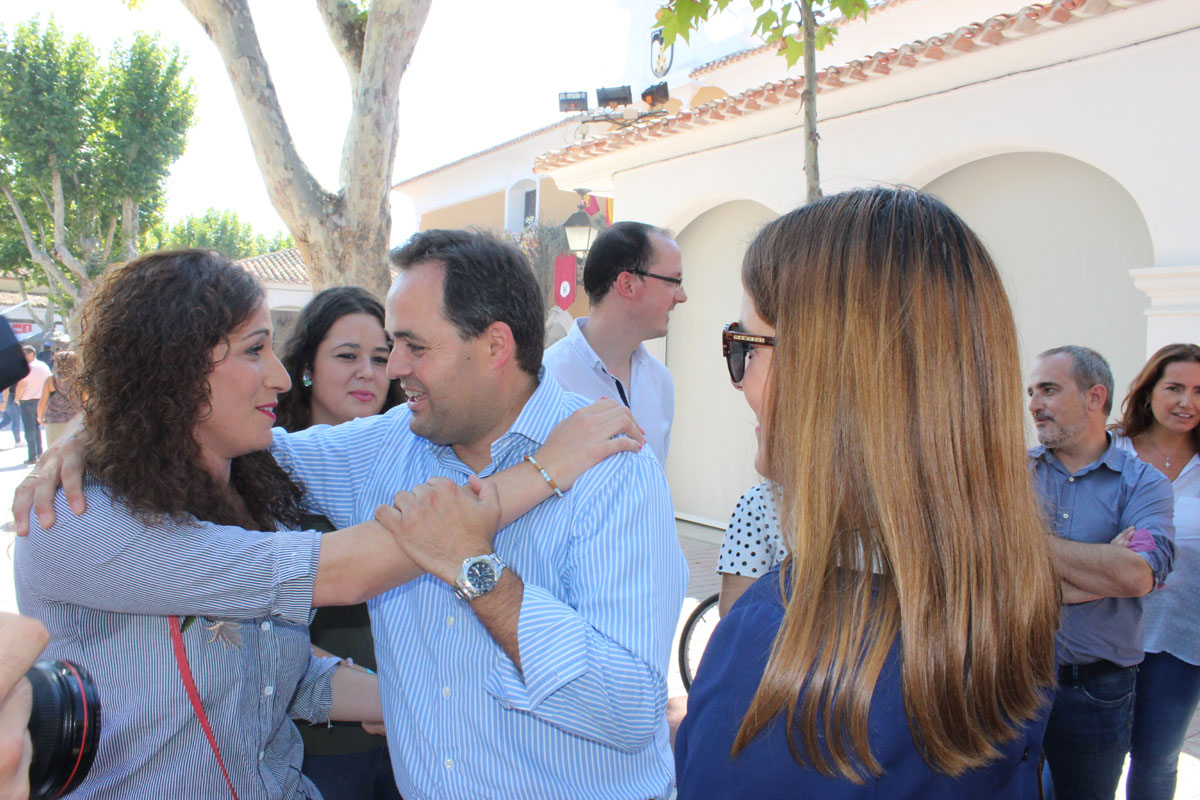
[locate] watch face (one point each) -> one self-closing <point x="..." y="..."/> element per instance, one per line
<point x="481" y="576"/>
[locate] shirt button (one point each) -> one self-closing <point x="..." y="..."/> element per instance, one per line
<point x="445" y="691"/>
<point x="449" y="764"/>
<point x="1071" y="480"/>
<point x="270" y="690"/>
<point x="449" y="622"/>
<point x="260" y="755"/>
<point x="266" y="626"/>
<point x="1066" y="516"/>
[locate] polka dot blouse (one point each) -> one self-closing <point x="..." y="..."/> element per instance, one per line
<point x="752" y="544"/>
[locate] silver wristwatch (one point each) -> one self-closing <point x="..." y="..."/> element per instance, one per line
<point x="478" y="576"/>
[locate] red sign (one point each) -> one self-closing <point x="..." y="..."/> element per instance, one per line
<point x="22" y="327"/>
<point x="564" y="280"/>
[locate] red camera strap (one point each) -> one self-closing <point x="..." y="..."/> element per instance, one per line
<point x="185" y="672"/>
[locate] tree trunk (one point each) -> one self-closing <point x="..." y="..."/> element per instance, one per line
<point x="342" y="236"/>
<point x="809" y="97"/>
<point x="129" y="229"/>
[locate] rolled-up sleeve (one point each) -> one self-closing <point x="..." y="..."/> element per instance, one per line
<point x="593" y="664"/>
<point x="314" y="693"/>
<point x="1151" y="506"/>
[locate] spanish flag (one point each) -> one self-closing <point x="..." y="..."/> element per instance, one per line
<point x="596" y="205"/>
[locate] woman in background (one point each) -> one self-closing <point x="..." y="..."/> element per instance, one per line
<point x="893" y="654"/>
<point x="337" y="357"/>
<point x="60" y="401"/>
<point x="1160" y="422"/>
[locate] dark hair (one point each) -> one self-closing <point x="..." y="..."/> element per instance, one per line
<point x="1136" y="416"/>
<point x="1088" y="368"/>
<point x="622" y="247"/>
<point x="311" y="328"/>
<point x="486" y="281"/>
<point x="148" y="333"/>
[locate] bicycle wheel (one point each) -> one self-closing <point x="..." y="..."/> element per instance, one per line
<point x="694" y="638"/>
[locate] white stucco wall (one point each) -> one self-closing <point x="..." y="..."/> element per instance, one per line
<point x="1064" y="236"/>
<point x="1077" y="166"/>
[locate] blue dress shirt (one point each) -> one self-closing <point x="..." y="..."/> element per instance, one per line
<point x="604" y="580"/>
<point x="1094" y="505"/>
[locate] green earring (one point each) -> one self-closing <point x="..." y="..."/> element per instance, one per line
<point x="306" y="380"/>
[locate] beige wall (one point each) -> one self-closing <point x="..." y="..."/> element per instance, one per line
<point x="1064" y="236"/>
<point x="554" y="204"/>
<point x="711" y="461"/>
<point x="482" y="212"/>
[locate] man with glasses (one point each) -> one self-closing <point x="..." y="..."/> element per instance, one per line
<point x="633" y="277"/>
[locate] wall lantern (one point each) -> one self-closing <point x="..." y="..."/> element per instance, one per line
<point x="579" y="228"/>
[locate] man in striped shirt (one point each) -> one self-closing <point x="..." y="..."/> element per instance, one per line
<point x="537" y="668"/>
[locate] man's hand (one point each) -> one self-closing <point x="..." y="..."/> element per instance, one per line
<point x="587" y="437"/>
<point x="21" y="642"/>
<point x="61" y="464"/>
<point x="440" y="524"/>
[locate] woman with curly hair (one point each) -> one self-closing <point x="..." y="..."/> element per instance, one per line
<point x="336" y="357"/>
<point x="905" y="647"/>
<point x="180" y="586"/>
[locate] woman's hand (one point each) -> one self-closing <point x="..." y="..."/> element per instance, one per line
<point x="587" y="437"/>
<point x="61" y="465"/>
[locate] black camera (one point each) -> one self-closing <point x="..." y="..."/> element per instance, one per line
<point x="64" y="727"/>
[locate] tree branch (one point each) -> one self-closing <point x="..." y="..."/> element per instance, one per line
<point x="348" y="32"/>
<point x="295" y="193"/>
<point x="61" y="252"/>
<point x="393" y="27"/>
<point x="39" y="256"/>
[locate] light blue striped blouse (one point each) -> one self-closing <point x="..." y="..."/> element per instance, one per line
<point x="102" y="582"/>
<point x="604" y="582"/>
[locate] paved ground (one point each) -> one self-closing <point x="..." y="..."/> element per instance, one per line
<point x="700" y="547"/>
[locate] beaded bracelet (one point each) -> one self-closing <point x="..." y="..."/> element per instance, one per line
<point x="553" y="486"/>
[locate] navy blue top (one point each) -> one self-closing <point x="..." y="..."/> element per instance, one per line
<point x="726" y="682"/>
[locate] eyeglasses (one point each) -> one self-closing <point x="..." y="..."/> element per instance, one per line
<point x="677" y="281"/>
<point x="735" y="344"/>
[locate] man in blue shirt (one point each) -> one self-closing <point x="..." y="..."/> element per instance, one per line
<point x="1095" y="497"/>
<point x="539" y="669"/>
<point x="634" y="278"/>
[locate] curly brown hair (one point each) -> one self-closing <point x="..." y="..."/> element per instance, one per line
<point x="148" y="333"/>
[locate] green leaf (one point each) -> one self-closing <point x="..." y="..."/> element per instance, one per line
<point x="793" y="50"/>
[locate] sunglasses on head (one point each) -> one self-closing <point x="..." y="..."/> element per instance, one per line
<point x="735" y="344"/>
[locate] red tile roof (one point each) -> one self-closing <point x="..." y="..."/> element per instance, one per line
<point x="12" y="298"/>
<point x="763" y="49"/>
<point x="282" y="266"/>
<point x="1028" y="21"/>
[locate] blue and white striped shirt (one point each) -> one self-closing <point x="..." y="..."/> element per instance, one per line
<point x="604" y="581"/>
<point x="103" y="582"/>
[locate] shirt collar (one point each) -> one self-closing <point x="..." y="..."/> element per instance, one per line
<point x="532" y="426"/>
<point x="579" y="342"/>
<point x="1113" y="457"/>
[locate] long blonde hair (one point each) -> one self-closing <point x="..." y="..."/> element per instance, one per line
<point x="894" y="427"/>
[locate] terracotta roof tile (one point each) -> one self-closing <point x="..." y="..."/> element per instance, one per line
<point x="282" y="266"/>
<point x="994" y="31"/>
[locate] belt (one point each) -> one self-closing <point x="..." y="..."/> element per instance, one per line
<point x="1075" y="673"/>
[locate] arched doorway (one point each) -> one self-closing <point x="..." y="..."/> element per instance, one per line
<point x="1064" y="236"/>
<point x="712" y="440"/>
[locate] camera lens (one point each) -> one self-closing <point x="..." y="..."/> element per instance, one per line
<point x="64" y="727"/>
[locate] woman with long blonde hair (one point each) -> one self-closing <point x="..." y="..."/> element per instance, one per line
<point x="905" y="648"/>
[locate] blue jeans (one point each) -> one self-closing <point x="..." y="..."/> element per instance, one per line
<point x="1087" y="736"/>
<point x="1167" y="692"/>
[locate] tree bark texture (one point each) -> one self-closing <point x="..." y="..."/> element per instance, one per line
<point x="343" y="235"/>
